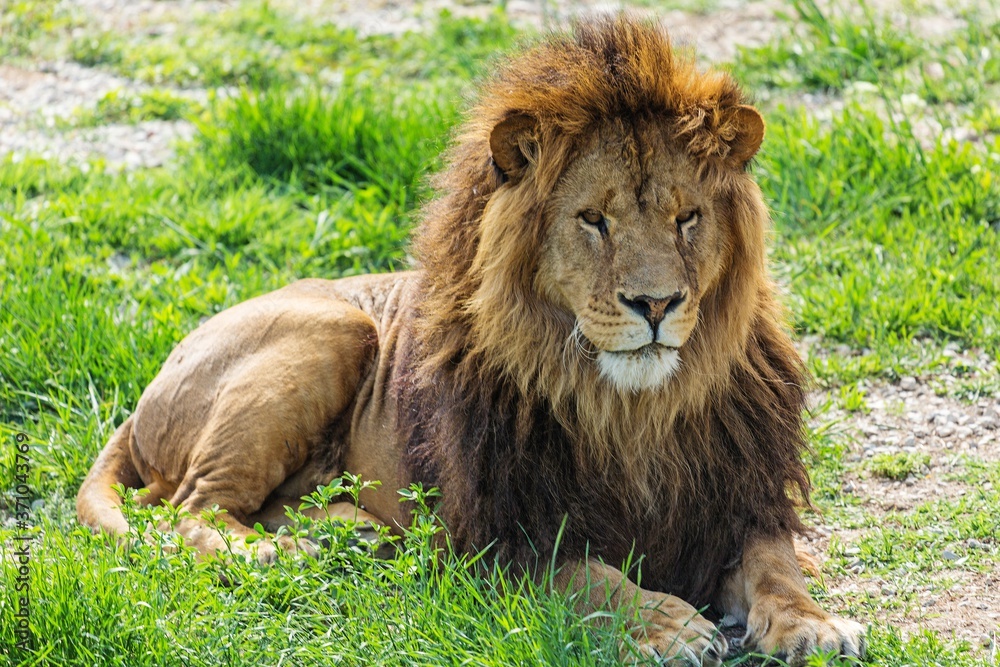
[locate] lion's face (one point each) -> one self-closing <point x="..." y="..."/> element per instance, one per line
<point x="632" y="244"/>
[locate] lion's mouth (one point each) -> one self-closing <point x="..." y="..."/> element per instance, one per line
<point x="646" y="351"/>
<point x="646" y="367"/>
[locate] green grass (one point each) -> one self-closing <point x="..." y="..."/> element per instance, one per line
<point x="314" y="166"/>
<point x="357" y="138"/>
<point x="24" y="24"/>
<point x="898" y="466"/>
<point x="904" y="234"/>
<point x="151" y="602"/>
<point x="833" y="46"/>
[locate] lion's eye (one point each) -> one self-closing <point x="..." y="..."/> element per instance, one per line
<point x="685" y="218"/>
<point x="595" y="219"/>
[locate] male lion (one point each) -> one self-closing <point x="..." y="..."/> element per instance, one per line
<point x="590" y="353"/>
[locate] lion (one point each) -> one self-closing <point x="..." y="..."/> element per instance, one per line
<point x="589" y="362"/>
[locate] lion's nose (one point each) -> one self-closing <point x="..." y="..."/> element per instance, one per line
<point x="653" y="308"/>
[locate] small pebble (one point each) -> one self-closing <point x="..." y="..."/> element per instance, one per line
<point x="934" y="71"/>
<point x="948" y="554"/>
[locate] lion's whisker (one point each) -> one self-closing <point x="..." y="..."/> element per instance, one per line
<point x="581" y="346"/>
<point x="575" y="342"/>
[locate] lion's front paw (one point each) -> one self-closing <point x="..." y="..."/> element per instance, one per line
<point x="267" y="550"/>
<point x="792" y="630"/>
<point x="676" y="632"/>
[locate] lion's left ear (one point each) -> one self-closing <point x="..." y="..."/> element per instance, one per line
<point x="748" y="132"/>
<point x="514" y="145"/>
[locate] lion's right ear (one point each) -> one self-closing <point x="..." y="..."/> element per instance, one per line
<point x="514" y="145"/>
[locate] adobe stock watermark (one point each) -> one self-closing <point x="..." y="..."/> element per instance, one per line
<point x="22" y="540"/>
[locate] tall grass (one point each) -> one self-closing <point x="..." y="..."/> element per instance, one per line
<point x="355" y="137"/>
<point x="881" y="241"/>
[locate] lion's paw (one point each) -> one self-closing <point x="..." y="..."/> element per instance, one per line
<point x="702" y="648"/>
<point x="267" y="550"/>
<point x="681" y="635"/>
<point x="792" y="631"/>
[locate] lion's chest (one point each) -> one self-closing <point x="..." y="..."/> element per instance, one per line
<point x="682" y="540"/>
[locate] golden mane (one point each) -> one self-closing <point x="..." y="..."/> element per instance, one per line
<point x="497" y="409"/>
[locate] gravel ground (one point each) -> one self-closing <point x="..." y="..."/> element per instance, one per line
<point x="908" y="416"/>
<point x="36" y="100"/>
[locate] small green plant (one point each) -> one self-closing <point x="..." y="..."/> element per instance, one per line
<point x="348" y="484"/>
<point x="425" y="528"/>
<point x="852" y="398"/>
<point x="119" y="106"/>
<point x="899" y="466"/>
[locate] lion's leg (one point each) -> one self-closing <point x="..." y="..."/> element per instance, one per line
<point x="768" y="592"/>
<point x="244" y="403"/>
<point x="264" y="427"/>
<point x="666" y="626"/>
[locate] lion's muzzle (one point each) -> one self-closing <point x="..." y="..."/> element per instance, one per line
<point x="653" y="309"/>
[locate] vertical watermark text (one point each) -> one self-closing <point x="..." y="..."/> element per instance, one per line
<point x="22" y="541"/>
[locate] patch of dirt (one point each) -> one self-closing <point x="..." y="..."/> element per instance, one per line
<point x="51" y="91"/>
<point x="910" y="417"/>
<point x="138" y="17"/>
<point x="34" y="101"/>
<point x="715" y="34"/>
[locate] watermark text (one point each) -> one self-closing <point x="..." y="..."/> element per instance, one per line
<point x="22" y="541"/>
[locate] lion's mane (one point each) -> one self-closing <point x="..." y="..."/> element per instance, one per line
<point x="528" y="445"/>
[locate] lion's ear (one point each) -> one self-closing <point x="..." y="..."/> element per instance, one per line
<point x="514" y="144"/>
<point x="749" y="133"/>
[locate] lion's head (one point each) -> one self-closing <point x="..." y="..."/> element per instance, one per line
<point x="594" y="275"/>
<point x="599" y="210"/>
